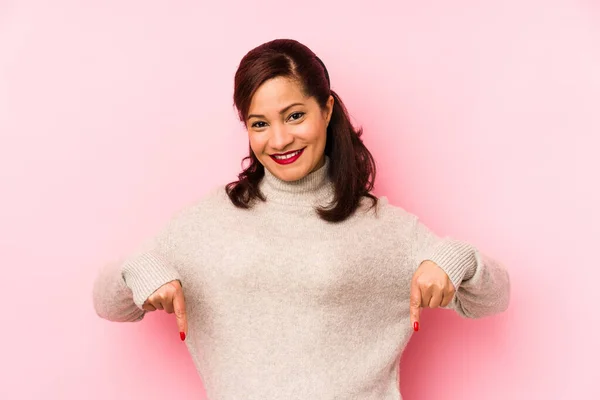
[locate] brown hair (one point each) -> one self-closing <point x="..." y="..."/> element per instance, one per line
<point x="352" y="167"/>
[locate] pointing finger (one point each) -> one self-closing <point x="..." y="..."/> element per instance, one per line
<point x="180" y="313"/>
<point x="415" y="304"/>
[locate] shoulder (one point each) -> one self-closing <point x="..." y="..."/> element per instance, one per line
<point x="390" y="216"/>
<point x="385" y="228"/>
<point x="216" y="196"/>
<point x="213" y="201"/>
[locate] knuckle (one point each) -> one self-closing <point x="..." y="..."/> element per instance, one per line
<point x="426" y="283"/>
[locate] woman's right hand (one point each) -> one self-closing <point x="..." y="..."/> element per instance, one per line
<point x="169" y="297"/>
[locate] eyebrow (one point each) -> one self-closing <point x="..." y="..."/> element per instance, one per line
<point x="280" y="112"/>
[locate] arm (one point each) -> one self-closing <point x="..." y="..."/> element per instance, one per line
<point x="121" y="288"/>
<point x="482" y="284"/>
<point x="113" y="300"/>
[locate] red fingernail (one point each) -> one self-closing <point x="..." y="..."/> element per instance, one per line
<point x="182" y="335"/>
<point x="416" y="326"/>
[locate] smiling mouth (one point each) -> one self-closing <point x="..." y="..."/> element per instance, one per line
<point x="287" y="158"/>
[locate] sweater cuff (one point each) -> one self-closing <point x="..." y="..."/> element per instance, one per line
<point x="145" y="274"/>
<point x="457" y="259"/>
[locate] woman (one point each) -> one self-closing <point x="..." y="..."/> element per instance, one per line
<point x="295" y="282"/>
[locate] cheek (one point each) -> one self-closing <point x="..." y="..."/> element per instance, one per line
<point x="257" y="142"/>
<point x="313" y="133"/>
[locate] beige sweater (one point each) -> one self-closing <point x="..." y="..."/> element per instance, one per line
<point x="283" y="305"/>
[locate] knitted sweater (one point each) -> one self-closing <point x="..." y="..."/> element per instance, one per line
<point x="284" y="305"/>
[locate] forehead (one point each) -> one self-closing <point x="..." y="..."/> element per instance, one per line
<point x="275" y="93"/>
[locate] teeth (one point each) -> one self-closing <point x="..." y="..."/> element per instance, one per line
<point x="285" y="157"/>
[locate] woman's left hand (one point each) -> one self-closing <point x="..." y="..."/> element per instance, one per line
<point x="430" y="287"/>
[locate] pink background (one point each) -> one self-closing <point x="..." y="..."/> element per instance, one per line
<point x="484" y="118"/>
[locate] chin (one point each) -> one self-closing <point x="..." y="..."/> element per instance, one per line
<point x="289" y="173"/>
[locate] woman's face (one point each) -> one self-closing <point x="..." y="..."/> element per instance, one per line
<point x="287" y="130"/>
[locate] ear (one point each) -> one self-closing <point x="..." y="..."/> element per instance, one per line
<point x="329" y="108"/>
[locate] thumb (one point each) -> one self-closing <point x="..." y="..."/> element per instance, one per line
<point x="415" y="304"/>
<point x="180" y="313"/>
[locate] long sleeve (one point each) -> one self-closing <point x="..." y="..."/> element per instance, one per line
<point x="121" y="288"/>
<point x="482" y="283"/>
<point x="113" y="299"/>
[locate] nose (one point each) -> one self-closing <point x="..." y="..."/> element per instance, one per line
<point x="280" y="138"/>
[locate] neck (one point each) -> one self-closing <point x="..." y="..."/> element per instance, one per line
<point x="313" y="190"/>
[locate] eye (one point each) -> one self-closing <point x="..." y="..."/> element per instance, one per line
<point x="259" y="124"/>
<point x="296" y="116"/>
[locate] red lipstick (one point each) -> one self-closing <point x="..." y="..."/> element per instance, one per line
<point x="287" y="160"/>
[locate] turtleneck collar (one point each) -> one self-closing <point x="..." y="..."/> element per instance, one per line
<point x="314" y="189"/>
